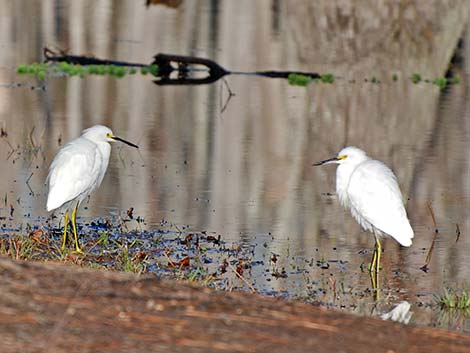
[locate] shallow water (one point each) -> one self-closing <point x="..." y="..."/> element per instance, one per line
<point x="246" y="172"/>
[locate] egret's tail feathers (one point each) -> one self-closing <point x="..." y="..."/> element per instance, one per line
<point x="51" y="206"/>
<point x="405" y="236"/>
<point x="54" y="201"/>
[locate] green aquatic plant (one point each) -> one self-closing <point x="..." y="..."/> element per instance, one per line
<point x="41" y="70"/>
<point x="415" y="78"/>
<point x="327" y="78"/>
<point x="35" y="69"/>
<point x="375" y="80"/>
<point x="455" y="80"/>
<point x="299" y="80"/>
<point x="441" y="82"/>
<point x="304" y="80"/>
<point x="198" y="272"/>
<point x="126" y="261"/>
<point x="454" y="299"/>
<point x="151" y="69"/>
<point x="104" y="238"/>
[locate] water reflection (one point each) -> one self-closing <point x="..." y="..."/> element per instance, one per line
<point x="246" y="173"/>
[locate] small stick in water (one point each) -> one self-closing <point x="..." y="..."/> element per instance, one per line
<point x="425" y="267"/>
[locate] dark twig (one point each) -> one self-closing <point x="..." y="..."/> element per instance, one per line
<point x="425" y="267"/>
<point x="51" y="56"/>
<point x="29" y="186"/>
<point x="242" y="278"/>
<point x="457" y="232"/>
<point x="230" y="95"/>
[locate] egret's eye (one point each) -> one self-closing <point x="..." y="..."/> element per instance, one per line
<point x="108" y="135"/>
<point x="342" y="157"/>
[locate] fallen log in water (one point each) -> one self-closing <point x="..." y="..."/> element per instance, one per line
<point x="181" y="65"/>
<point x="59" y="308"/>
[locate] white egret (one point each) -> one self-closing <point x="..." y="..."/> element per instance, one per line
<point x="369" y="189"/>
<point x="77" y="170"/>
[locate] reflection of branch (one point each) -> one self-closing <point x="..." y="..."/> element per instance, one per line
<point x="168" y="81"/>
<point x="169" y="3"/>
<point x="167" y="64"/>
<point x="165" y="67"/>
<point x="285" y="74"/>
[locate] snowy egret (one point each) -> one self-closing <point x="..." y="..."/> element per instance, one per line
<point x="369" y="189"/>
<point x="77" y="170"/>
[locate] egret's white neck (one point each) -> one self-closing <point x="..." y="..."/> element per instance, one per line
<point x="105" y="149"/>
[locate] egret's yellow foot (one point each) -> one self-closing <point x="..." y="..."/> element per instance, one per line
<point x="78" y="251"/>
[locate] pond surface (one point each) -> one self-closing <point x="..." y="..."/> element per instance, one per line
<point x="243" y="169"/>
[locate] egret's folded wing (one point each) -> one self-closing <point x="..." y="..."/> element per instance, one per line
<point x="375" y="196"/>
<point x="69" y="174"/>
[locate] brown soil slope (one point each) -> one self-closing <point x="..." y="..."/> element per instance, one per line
<point x="58" y="308"/>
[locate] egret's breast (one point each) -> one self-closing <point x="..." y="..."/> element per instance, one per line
<point x="343" y="174"/>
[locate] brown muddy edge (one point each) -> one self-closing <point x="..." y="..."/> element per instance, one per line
<point x="50" y="307"/>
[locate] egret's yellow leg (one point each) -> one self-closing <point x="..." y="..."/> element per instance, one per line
<point x="374" y="259"/>
<point x="66" y="224"/>
<point x="375" y="268"/>
<point x="377" y="288"/>
<point x="375" y="264"/>
<point x="74" y="225"/>
<point x="373" y="280"/>
<point x="379" y="251"/>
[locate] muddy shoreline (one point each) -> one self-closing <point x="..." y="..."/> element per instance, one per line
<point x="61" y="308"/>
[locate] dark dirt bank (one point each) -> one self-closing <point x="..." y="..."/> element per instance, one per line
<point x="59" y="308"/>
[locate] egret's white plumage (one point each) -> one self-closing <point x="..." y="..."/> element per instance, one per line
<point x="78" y="169"/>
<point x="369" y="189"/>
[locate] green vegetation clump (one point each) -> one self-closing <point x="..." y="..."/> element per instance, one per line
<point x="416" y="78"/>
<point x="304" y="80"/>
<point x="327" y="78"/>
<point x="299" y="80"/>
<point x="456" y="80"/>
<point x="36" y="69"/>
<point x="41" y="70"/>
<point x="153" y="69"/>
<point x="454" y="299"/>
<point x="375" y="80"/>
<point x="441" y="82"/>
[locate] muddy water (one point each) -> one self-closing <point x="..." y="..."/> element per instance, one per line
<point x="245" y="171"/>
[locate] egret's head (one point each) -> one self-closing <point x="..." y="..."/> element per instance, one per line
<point x="100" y="133"/>
<point x="348" y="155"/>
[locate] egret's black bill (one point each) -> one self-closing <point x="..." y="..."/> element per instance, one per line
<point x="326" y="161"/>
<point x="124" y="141"/>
